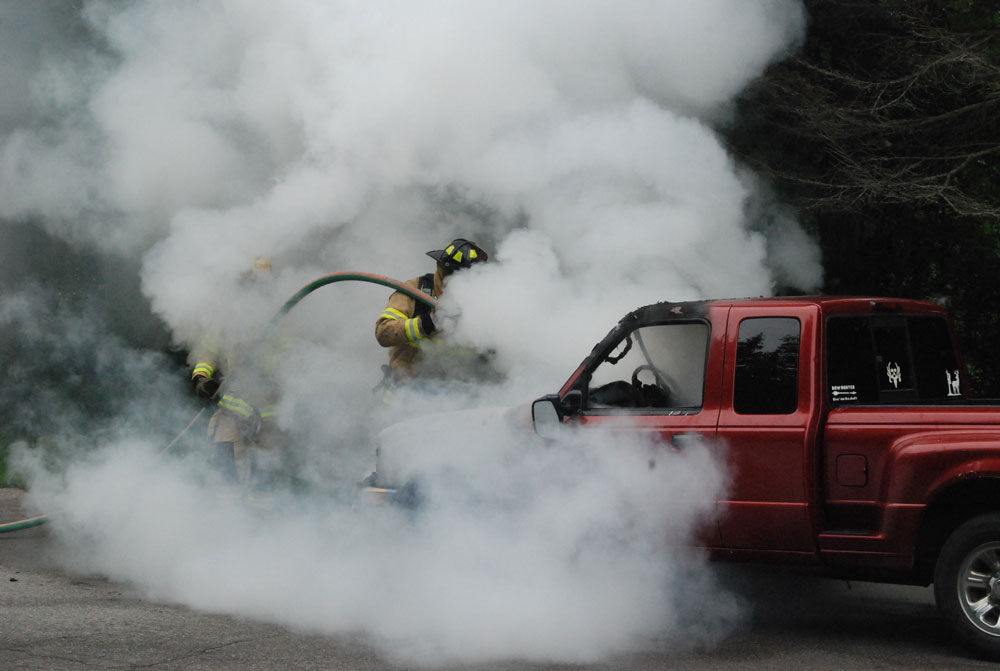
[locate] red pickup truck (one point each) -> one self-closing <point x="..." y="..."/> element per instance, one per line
<point x="846" y="424"/>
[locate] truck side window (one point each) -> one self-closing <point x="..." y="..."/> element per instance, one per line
<point x="767" y="366"/>
<point x="850" y="354"/>
<point x="890" y="359"/>
<point x="658" y="366"/>
<point x="934" y="358"/>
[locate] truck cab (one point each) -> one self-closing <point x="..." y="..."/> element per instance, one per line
<point x="774" y="386"/>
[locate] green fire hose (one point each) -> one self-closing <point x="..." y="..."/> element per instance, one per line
<point x="356" y="276"/>
<point x="24" y="524"/>
<point x="349" y="275"/>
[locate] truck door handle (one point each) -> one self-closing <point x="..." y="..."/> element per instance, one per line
<point x="681" y="440"/>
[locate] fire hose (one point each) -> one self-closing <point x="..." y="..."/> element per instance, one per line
<point x="332" y="278"/>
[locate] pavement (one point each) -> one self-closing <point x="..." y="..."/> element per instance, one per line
<point x="54" y="621"/>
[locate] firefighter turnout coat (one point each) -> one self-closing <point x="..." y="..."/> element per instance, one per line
<point x="398" y="327"/>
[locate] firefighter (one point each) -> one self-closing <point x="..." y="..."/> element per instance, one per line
<point x="243" y="429"/>
<point x="409" y="328"/>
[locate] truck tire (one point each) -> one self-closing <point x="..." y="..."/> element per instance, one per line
<point x="967" y="583"/>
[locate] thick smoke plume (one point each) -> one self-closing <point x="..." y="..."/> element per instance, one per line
<point x="185" y="139"/>
<point x="569" y="551"/>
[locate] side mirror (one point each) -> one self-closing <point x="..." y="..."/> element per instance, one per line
<point x="545" y="417"/>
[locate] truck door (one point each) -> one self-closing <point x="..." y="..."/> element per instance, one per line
<point x="767" y="427"/>
<point x="654" y="380"/>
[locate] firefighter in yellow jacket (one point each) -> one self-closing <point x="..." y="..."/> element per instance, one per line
<point x="407" y="326"/>
<point x="243" y="428"/>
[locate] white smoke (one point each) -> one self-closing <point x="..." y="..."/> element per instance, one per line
<point x="572" y="551"/>
<point x="336" y="136"/>
<point x="574" y="141"/>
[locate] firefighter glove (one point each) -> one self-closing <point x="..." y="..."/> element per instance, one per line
<point x="427" y="325"/>
<point x="205" y="387"/>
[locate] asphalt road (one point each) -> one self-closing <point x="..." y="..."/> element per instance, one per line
<point x="55" y="621"/>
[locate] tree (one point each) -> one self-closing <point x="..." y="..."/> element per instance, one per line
<point x="888" y="103"/>
<point x="884" y="131"/>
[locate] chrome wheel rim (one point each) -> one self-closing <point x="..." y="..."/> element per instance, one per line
<point x="979" y="587"/>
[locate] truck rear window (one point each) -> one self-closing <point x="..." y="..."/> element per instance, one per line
<point x="890" y="359"/>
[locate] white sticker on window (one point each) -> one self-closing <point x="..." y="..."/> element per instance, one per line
<point x="954" y="386"/>
<point x="895" y="373"/>
<point x="844" y="392"/>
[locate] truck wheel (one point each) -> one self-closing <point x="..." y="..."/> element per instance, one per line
<point x="967" y="583"/>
